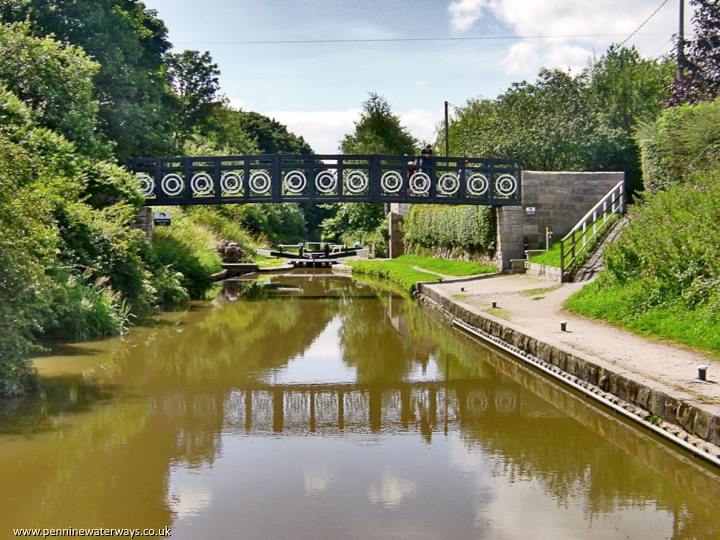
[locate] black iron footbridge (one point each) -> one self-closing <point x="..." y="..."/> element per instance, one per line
<point x="322" y="179"/>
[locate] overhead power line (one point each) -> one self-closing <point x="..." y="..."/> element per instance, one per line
<point x="643" y="23"/>
<point x="662" y="47"/>
<point x="408" y="39"/>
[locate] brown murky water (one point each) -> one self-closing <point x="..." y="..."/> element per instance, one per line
<point x="316" y="407"/>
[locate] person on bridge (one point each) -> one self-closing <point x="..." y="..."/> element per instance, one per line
<point x="426" y="159"/>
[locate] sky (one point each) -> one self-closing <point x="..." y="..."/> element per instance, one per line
<point x="317" y="89"/>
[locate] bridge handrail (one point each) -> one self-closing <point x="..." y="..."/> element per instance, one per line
<point x="579" y="233"/>
<point x="328" y="178"/>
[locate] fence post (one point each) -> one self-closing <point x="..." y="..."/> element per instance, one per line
<point x="562" y="260"/>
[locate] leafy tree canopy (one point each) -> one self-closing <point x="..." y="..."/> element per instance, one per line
<point x="129" y="42"/>
<point x="568" y="122"/>
<point x="195" y="79"/>
<point x="701" y="80"/>
<point x="378" y="131"/>
<point x="55" y="81"/>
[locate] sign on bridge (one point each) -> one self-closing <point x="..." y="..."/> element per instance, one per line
<point x="328" y="178"/>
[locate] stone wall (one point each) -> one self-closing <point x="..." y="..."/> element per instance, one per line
<point x="682" y="413"/>
<point x="144" y="222"/>
<point x="560" y="200"/>
<point x="510" y="240"/>
<point x="396" y="243"/>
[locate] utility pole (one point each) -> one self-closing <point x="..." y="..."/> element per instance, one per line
<point x="447" y="132"/>
<point x="681" y="41"/>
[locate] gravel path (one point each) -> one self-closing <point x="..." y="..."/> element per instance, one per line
<point x="534" y="306"/>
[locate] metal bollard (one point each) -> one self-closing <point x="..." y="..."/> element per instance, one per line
<point x="702" y="372"/>
<point x="563" y="326"/>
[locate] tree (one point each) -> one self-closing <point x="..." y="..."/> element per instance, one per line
<point x="129" y="42"/>
<point x="271" y="136"/>
<point x="378" y="131"/>
<point x="627" y="91"/>
<point x="701" y="79"/>
<point x="195" y="79"/>
<point x="55" y="81"/>
<point x="569" y="122"/>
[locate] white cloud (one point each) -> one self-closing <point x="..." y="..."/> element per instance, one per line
<point x="323" y="130"/>
<point x="567" y="57"/>
<point x="521" y="59"/>
<point x="564" y="19"/>
<point x="421" y="123"/>
<point x="464" y="13"/>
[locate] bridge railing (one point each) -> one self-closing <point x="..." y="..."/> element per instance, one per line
<point x="328" y="178"/>
<point x="575" y="245"/>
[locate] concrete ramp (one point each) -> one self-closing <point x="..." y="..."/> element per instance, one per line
<point x="595" y="262"/>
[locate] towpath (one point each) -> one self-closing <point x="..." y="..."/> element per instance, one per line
<point x="535" y="307"/>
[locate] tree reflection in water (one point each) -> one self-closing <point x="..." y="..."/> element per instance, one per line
<point x="174" y="394"/>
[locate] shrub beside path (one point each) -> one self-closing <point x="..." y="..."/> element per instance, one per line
<point x="535" y="307"/>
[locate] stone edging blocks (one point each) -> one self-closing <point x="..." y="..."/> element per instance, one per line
<point x="681" y="419"/>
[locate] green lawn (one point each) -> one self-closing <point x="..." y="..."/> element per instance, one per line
<point x="403" y="272"/>
<point x="552" y="256"/>
<point x="269" y="262"/>
<point x="447" y="267"/>
<point x="621" y="305"/>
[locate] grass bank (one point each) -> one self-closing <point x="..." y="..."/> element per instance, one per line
<point x="624" y="305"/>
<point x="551" y="257"/>
<point x="408" y="270"/>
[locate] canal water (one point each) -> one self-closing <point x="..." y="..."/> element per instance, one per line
<point x="313" y="406"/>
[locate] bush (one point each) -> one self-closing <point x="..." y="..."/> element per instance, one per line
<point x="223" y="225"/>
<point x="83" y="309"/>
<point x="27" y="245"/>
<point x="276" y="223"/>
<point x="168" y="285"/>
<point x="100" y="244"/>
<point x="683" y="141"/>
<point x="671" y="243"/>
<point x="663" y="274"/>
<point x="188" y="248"/>
<point x="462" y="230"/>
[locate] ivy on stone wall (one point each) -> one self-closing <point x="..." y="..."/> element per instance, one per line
<point x="460" y="230"/>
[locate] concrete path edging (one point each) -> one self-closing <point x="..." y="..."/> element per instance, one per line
<point x="684" y="424"/>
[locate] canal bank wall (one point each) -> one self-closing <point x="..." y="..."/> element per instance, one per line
<point x="669" y="414"/>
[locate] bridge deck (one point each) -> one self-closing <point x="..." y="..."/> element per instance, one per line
<point x="328" y="178"/>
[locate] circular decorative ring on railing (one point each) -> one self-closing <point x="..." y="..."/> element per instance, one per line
<point x="326" y="182"/>
<point x="231" y="183"/>
<point x="477" y="184"/>
<point x="448" y="184"/>
<point x="295" y="182"/>
<point x="420" y="183"/>
<point x="506" y="185"/>
<point x="201" y="184"/>
<point x="391" y="182"/>
<point x="147" y="184"/>
<point x="356" y="182"/>
<point x="260" y="181"/>
<point x="172" y="184"/>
